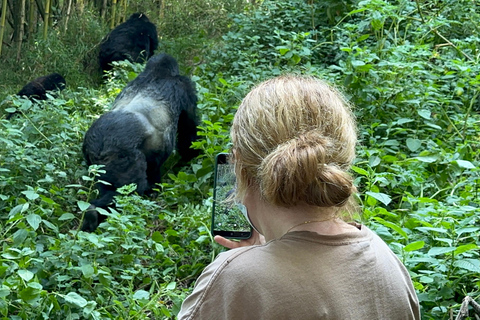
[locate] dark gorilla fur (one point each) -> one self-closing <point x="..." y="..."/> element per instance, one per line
<point x="37" y="88"/>
<point x="136" y="137"/>
<point x="135" y="40"/>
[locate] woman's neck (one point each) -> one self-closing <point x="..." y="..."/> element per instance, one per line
<point x="274" y="221"/>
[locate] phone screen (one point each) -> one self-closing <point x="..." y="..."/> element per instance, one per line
<point x="227" y="218"/>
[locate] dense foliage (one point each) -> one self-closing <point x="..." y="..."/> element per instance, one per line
<point x="410" y="68"/>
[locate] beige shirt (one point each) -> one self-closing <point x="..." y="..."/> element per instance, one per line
<point x="304" y="275"/>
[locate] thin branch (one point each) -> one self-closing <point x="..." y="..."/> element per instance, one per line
<point x="451" y="44"/>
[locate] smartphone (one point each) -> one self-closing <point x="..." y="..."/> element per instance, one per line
<point x="227" y="218"/>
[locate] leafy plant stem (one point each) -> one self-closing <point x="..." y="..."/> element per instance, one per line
<point x="36" y="128"/>
<point x="451" y="122"/>
<point x="468" y="112"/>
<point x="417" y="2"/>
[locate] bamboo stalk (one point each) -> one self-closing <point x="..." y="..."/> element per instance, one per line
<point x="125" y="6"/>
<point x="50" y="17"/>
<point x="114" y="8"/>
<point x="40" y="8"/>
<point x="46" y="19"/>
<point x="31" y="17"/>
<point x="2" y="23"/>
<point x="162" y="9"/>
<point x="80" y="6"/>
<point x="69" y="9"/>
<point x="119" y="12"/>
<point x="21" y="29"/>
<point x="103" y="10"/>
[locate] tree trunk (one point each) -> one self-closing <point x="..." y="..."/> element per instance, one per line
<point x="2" y="23"/>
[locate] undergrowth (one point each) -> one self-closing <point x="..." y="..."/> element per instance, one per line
<point x="411" y="70"/>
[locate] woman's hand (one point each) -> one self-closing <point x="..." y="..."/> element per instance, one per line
<point x="255" y="239"/>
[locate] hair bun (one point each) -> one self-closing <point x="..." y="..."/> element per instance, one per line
<point x="300" y="170"/>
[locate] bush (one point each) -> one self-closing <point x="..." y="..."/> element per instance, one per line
<point x="411" y="70"/>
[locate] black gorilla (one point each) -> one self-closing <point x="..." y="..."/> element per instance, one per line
<point x="136" y="137"/>
<point x="38" y="87"/>
<point x="135" y="40"/>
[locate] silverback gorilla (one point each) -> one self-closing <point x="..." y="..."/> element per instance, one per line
<point x="135" y="40"/>
<point x="38" y="87"/>
<point x="136" y="137"/>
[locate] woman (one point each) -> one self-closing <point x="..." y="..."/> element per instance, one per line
<point x="293" y="142"/>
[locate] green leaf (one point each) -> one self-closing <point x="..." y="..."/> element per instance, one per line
<point x="404" y="120"/>
<point x="465" y="164"/>
<point x="35" y="285"/>
<point x="21" y="208"/>
<point x="466" y="247"/>
<point x="283" y="51"/>
<point x="25" y="274"/>
<point x="413" y="144"/>
<point x="34" y="220"/>
<point x="392" y="226"/>
<point x="426" y="114"/>
<point x="89" y="308"/>
<point x="357" y="63"/>
<point x="427" y="159"/>
<point x="360" y="171"/>
<point x="29" y="295"/>
<point x="374" y="161"/>
<point x="202" y="238"/>
<point x="66" y="217"/>
<point x="30" y="194"/>
<point x="4" y="291"/>
<point x="87" y="270"/>
<point x="75" y="299"/>
<point x="157" y="236"/>
<point x="83" y="205"/>
<point x="382" y="197"/>
<point x="19" y="236"/>
<point x="414" y="246"/>
<point x="467" y="230"/>
<point x="141" y="294"/>
<point x="468" y="264"/>
<point x="50" y="225"/>
<point x="435" y="251"/>
<point x="131" y="76"/>
<point x="425" y="279"/>
<point x="296" y="59"/>
<point x="363" y="37"/>
<point x="171" y="286"/>
<point x="432" y="229"/>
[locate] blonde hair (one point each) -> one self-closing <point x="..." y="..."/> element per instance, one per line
<point x="294" y="138"/>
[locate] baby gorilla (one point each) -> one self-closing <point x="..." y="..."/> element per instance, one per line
<point x="136" y="137"/>
<point x="38" y="88"/>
